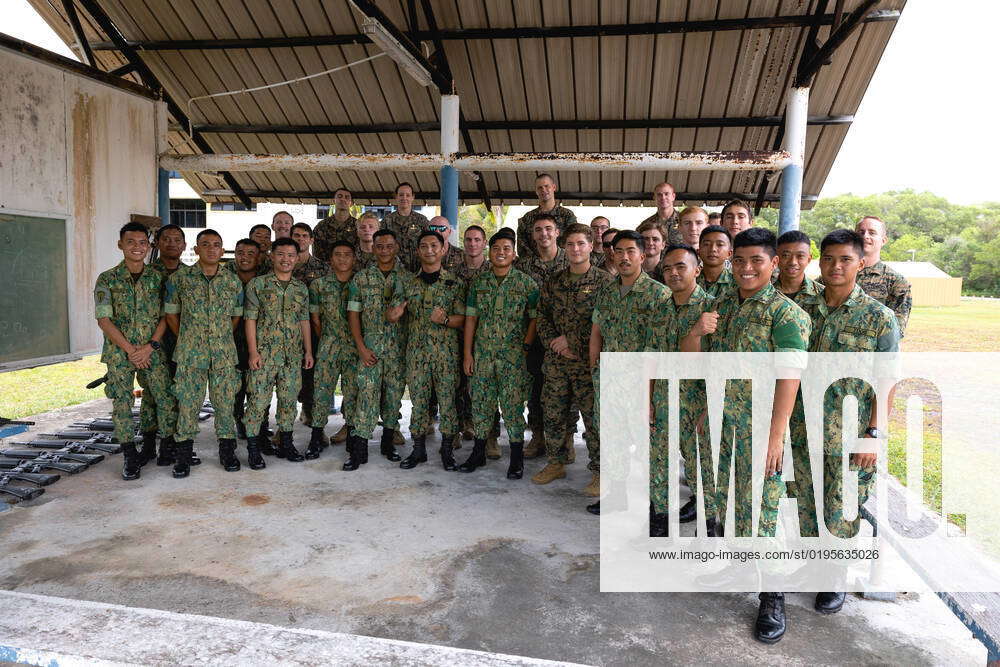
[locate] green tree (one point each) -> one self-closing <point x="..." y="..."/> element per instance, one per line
<point x="477" y="215"/>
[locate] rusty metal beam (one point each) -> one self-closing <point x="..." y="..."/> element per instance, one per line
<point x="527" y="32"/>
<point x="808" y="67"/>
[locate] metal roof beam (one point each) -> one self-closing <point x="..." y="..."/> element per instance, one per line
<point x="809" y="66"/>
<point x="81" y="39"/>
<point x="522" y="195"/>
<point x="527" y="32"/>
<point x="147" y="76"/>
<point x="640" y="124"/>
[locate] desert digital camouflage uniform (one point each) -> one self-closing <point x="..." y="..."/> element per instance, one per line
<point x="278" y="307"/>
<point x="676" y="324"/>
<point x="525" y="244"/>
<point x="310" y="270"/>
<point x="598" y="259"/>
<point x="504" y="308"/>
<point x="453" y="258"/>
<point x="328" y="231"/>
<point x="628" y="323"/>
<point x="672" y="224"/>
<point x="336" y="355"/>
<point x="242" y="354"/>
<point x="432" y="349"/>
<point x="860" y="324"/>
<point x="266" y="265"/>
<point x="808" y="291"/>
<point x="890" y="288"/>
<point x="565" y="309"/>
<point x="724" y="283"/>
<point x="365" y="259"/>
<point x="469" y="274"/>
<point x="407" y="229"/>
<point x="206" y="351"/>
<point x="135" y="307"/>
<point x="148" y="418"/>
<point x="768" y="321"/>
<point x="371" y="293"/>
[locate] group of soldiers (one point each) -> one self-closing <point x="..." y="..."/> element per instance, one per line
<point x="477" y="333"/>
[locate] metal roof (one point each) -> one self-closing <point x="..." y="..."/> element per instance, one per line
<point x="533" y="76"/>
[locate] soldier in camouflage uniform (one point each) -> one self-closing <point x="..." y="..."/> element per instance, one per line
<point x="691" y="222"/>
<point x="339" y="226"/>
<point x="278" y="333"/>
<point x="654" y="236"/>
<point x="627" y="318"/>
<point x="375" y="307"/>
<point x="307" y="269"/>
<point x="246" y="266"/>
<point x="715" y="247"/>
<point x="793" y="258"/>
<point x="737" y="217"/>
<point x="435" y="314"/>
<point x="474" y="262"/>
<point x="336" y="357"/>
<point x="545" y="188"/>
<point x="452" y="257"/>
<point x="499" y="327"/>
<point x="564" y="322"/>
<point x="407" y="225"/>
<point x="128" y="308"/>
<point x="170" y="243"/>
<point x="598" y="226"/>
<point x="880" y="282"/>
<point x="664" y="196"/>
<point x="203" y="304"/>
<point x="281" y="225"/>
<point x="684" y="310"/>
<point x="368" y="224"/>
<point x="547" y="259"/>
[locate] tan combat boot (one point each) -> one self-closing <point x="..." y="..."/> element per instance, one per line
<point x="550" y="472"/>
<point x="492" y="448"/>
<point x="467" y="430"/>
<point x="341" y="435"/>
<point x="397" y="438"/>
<point x="456" y="442"/>
<point x="594" y="488"/>
<point x="570" y="449"/>
<point x="535" y="446"/>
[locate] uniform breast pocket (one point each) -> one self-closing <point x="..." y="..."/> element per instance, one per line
<point x="757" y="332"/>
<point x="851" y="342"/>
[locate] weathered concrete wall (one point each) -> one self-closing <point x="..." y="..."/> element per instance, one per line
<point x="76" y="149"/>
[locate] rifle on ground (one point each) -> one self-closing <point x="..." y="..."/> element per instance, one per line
<point x="101" y="442"/>
<point x="30" y="465"/>
<point x="68" y="453"/>
<point x="20" y="492"/>
<point x="14" y="422"/>
<point x="24" y="474"/>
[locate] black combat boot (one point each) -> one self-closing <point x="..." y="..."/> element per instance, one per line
<point x="227" y="454"/>
<point x="476" y="459"/>
<point x="254" y="459"/>
<point x="595" y="508"/>
<point x="316" y="443"/>
<point x="828" y="603"/>
<point x="195" y="459"/>
<point x="447" y="452"/>
<point x="353" y="445"/>
<point x="148" y="452"/>
<point x="770" y="626"/>
<point x="241" y="430"/>
<point x="286" y="448"/>
<point x="658" y="523"/>
<point x="182" y="458"/>
<point x="419" y="453"/>
<point x="362" y="450"/>
<point x="167" y="447"/>
<point x="516" y="468"/>
<point x="714" y="529"/>
<point x="689" y="511"/>
<point x="386" y="445"/>
<point x="132" y="462"/>
<point x="264" y="440"/>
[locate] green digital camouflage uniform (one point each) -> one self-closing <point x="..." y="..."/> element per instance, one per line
<point x="365" y="259"/>
<point x="724" y="283"/>
<point x="565" y="309"/>
<point x="598" y="259"/>
<point x="808" y="291"/>
<point x="307" y="272"/>
<point x="407" y="229"/>
<point x="463" y="396"/>
<point x="336" y="355"/>
<point x="860" y="324"/>
<point x="278" y="308"/>
<point x="432" y="350"/>
<point x="504" y="308"/>
<point x="677" y="323"/>
<point x="768" y="321"/>
<point x="242" y="354"/>
<point x="525" y="244"/>
<point x="890" y="288"/>
<point x="628" y="323"/>
<point x="135" y="307"/>
<point x="371" y="293"/>
<point x="328" y="231"/>
<point x="148" y="412"/>
<point x="310" y="270"/>
<point x="206" y="351"/>
<point x="672" y="225"/>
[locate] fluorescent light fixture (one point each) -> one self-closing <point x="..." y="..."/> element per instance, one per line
<point x="378" y="34"/>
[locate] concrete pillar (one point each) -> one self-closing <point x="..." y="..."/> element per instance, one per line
<point x="796" y="119"/>
<point x="449" y="146"/>
<point x="163" y="195"/>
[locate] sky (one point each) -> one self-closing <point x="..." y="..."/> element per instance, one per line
<point x="915" y="102"/>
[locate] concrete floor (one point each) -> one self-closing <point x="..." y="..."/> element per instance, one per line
<point x="471" y="561"/>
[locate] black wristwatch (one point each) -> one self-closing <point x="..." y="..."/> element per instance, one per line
<point x="872" y="432"/>
<point x="526" y="347"/>
<point x="155" y="344"/>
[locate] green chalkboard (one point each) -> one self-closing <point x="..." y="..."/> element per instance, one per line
<point x="34" y="317"/>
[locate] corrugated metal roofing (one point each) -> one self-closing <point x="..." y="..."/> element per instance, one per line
<point x="685" y="75"/>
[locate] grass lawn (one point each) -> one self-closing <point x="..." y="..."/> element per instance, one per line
<point x="972" y="326"/>
<point x="34" y="390"/>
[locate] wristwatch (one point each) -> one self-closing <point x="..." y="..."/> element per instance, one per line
<point x="872" y="432"/>
<point x="526" y="347"/>
<point x="155" y="344"/>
